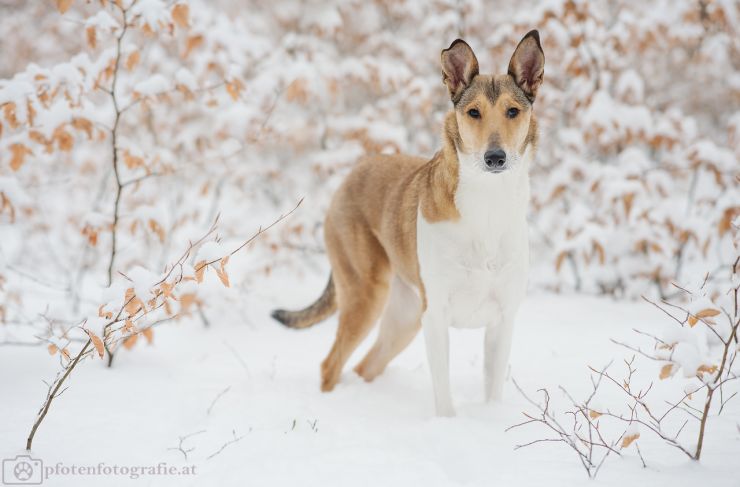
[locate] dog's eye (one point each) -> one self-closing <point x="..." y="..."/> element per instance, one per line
<point x="512" y="112"/>
<point x="474" y="113"/>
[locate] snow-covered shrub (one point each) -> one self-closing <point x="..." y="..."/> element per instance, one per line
<point x="637" y="178"/>
<point x="102" y="156"/>
<point x="695" y="357"/>
<point x="634" y="185"/>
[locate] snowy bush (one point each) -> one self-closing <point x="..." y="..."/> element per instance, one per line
<point x="697" y="352"/>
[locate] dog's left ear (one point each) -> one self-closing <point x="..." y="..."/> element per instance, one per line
<point x="459" y="67"/>
<point x="527" y="65"/>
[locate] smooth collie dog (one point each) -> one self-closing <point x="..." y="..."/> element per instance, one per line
<point x="441" y="242"/>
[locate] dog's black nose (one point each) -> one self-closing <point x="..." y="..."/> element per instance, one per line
<point x="495" y="159"/>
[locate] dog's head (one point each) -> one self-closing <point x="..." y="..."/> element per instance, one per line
<point x="494" y="117"/>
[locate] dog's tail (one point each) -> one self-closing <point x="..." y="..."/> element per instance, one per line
<point x="320" y="310"/>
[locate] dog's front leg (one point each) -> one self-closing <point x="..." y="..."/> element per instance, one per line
<point x="497" y="348"/>
<point x="436" y="335"/>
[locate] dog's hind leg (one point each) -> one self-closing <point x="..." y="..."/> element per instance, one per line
<point x="398" y="327"/>
<point x="359" y="308"/>
<point x="361" y="271"/>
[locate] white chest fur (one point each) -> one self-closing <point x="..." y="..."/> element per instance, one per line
<point x="475" y="269"/>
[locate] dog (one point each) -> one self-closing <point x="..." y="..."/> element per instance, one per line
<point x="435" y="243"/>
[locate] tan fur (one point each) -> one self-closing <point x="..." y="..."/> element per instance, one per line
<point x="370" y="228"/>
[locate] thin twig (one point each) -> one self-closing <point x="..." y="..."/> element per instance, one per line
<point x="235" y="439"/>
<point x="213" y="403"/>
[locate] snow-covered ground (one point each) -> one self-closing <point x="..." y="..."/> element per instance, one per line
<point x="257" y="382"/>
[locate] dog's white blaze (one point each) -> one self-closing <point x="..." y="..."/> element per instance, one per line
<point x="474" y="270"/>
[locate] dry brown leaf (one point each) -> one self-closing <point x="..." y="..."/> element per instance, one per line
<point x="706" y="313"/>
<point x="181" y="14"/>
<point x="63" y="5"/>
<point x="166" y="289"/>
<point x="666" y="371"/>
<point x="91" y="234"/>
<point x="132" y="161"/>
<point x="200" y="269"/>
<point x="5" y="203"/>
<point x="148" y="334"/>
<point x="64" y="139"/>
<point x="234" y="87"/>
<point x="18" y="157"/>
<point x="192" y="43"/>
<point x="692" y="320"/>
<point x="560" y="259"/>
<point x="221" y="271"/>
<point x="593" y="414"/>
<point x="52" y="349"/>
<point x="31" y="112"/>
<point x="706" y="369"/>
<point x="628" y="440"/>
<point x="155" y="227"/>
<point x="132" y="60"/>
<point x="599" y="252"/>
<point x="91" y="38"/>
<point x="297" y="91"/>
<point x="130" y="341"/>
<point x="187" y="301"/>
<point x="97" y="343"/>
<point x="134" y="304"/>
<point x="627" y="200"/>
<point x="84" y="125"/>
<point x="129" y="326"/>
<point x="103" y="313"/>
<point x="559" y="189"/>
<point x="725" y="223"/>
<point x="9" y="114"/>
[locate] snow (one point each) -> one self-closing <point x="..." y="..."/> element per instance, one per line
<point x="143" y="281"/>
<point x="12" y="91"/>
<point x="103" y="21"/>
<point x="630" y="86"/>
<point x="155" y="85"/>
<point x="258" y="380"/>
<point x="185" y="78"/>
<point x="700" y="304"/>
<point x="707" y="151"/>
<point x="57" y="114"/>
<point x="12" y="190"/>
<point x="96" y="324"/>
<point x="210" y="251"/>
<point x="154" y="13"/>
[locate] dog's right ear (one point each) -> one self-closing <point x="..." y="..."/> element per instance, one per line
<point x="459" y="67"/>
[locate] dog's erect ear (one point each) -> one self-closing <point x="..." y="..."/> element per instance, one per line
<point x="459" y="67"/>
<point x="527" y="65"/>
